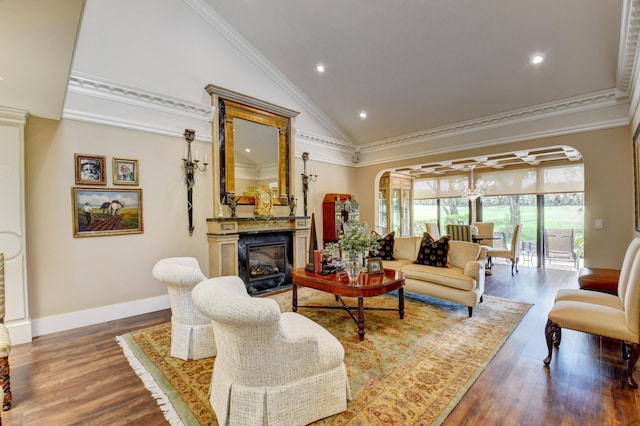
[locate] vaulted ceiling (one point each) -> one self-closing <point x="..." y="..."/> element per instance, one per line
<point x="415" y="67"/>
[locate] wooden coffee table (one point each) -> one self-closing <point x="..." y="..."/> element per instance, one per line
<point x="338" y="285"/>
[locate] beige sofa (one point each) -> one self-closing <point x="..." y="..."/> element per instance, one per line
<point x="462" y="281"/>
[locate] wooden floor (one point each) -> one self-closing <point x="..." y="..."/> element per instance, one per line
<point x="80" y="377"/>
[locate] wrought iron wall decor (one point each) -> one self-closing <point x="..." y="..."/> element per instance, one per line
<point x="190" y="167"/>
<point x="306" y="178"/>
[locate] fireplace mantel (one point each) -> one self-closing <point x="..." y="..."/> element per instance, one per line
<point x="239" y="225"/>
<point x="223" y="234"/>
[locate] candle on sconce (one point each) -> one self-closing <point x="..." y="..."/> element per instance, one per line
<point x="206" y="158"/>
<point x="196" y="154"/>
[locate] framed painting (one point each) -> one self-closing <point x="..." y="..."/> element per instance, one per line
<point x="90" y="169"/>
<point x="375" y="266"/>
<point x="636" y="175"/>
<point x="98" y="212"/>
<point x="125" y="171"/>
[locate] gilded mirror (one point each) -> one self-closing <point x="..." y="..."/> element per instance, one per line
<point x="254" y="144"/>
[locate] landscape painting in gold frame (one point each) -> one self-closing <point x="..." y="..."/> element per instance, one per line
<point x="100" y="212"/>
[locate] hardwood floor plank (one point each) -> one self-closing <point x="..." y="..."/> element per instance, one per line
<point x="81" y="377"/>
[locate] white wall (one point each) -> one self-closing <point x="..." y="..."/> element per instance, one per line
<point x="73" y="274"/>
<point x="163" y="48"/>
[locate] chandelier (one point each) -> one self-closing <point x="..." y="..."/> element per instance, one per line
<point x="473" y="190"/>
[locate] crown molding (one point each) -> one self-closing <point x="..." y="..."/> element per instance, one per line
<point x="482" y="143"/>
<point x="324" y="140"/>
<point x="595" y="100"/>
<point x="100" y="101"/>
<point x="210" y="16"/>
<point x="627" y="53"/>
<point x="104" y="120"/>
<point x="97" y="87"/>
<point x="13" y="116"/>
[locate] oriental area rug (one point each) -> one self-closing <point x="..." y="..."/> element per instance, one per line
<point x="406" y="371"/>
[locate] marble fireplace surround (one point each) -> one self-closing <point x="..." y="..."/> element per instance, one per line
<point x="227" y="236"/>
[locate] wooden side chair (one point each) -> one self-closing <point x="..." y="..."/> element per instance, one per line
<point x="5" y="345"/>
<point x="603" y="314"/>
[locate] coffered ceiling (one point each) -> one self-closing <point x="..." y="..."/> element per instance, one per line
<point x="526" y="158"/>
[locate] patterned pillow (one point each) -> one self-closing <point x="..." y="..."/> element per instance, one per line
<point x="386" y="246"/>
<point x="433" y="253"/>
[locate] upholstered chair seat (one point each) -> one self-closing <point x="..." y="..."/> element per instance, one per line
<point x="191" y="332"/>
<point x="272" y="368"/>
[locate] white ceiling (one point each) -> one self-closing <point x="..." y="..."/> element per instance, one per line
<point x="37" y="41"/>
<point x="416" y="65"/>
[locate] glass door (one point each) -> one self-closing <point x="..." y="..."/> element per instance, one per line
<point x="395" y="210"/>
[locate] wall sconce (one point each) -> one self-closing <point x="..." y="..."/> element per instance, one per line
<point x="190" y="166"/>
<point x="306" y="179"/>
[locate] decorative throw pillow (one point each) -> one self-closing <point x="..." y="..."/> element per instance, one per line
<point x="386" y="246"/>
<point x="433" y="253"/>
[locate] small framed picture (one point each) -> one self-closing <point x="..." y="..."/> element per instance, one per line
<point x="106" y="211"/>
<point x="125" y="171"/>
<point x="375" y="266"/>
<point x="90" y="169"/>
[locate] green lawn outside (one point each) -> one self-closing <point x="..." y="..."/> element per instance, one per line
<point x="557" y="217"/>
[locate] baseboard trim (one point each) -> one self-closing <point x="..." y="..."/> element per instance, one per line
<point x="71" y="320"/>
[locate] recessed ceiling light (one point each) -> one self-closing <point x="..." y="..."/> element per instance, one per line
<point x="320" y="68"/>
<point x="247" y="150"/>
<point x="536" y="59"/>
<point x="363" y="114"/>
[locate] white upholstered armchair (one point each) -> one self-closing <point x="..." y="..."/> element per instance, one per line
<point x="271" y="368"/>
<point x="191" y="332"/>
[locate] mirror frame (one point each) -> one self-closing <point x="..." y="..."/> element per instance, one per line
<point x="232" y="105"/>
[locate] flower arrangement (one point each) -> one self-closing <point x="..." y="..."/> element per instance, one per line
<point x="356" y="239"/>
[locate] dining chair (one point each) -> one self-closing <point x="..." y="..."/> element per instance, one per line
<point x="433" y="230"/>
<point x="459" y="232"/>
<point x="485" y="233"/>
<point x="513" y="252"/>
<point x="615" y="316"/>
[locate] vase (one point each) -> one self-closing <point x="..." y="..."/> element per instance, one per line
<point x="353" y="265"/>
<point x="353" y="270"/>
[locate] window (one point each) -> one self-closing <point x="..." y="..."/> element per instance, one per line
<point x="521" y="195"/>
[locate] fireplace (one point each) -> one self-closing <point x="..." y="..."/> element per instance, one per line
<point x="233" y="241"/>
<point x="265" y="260"/>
